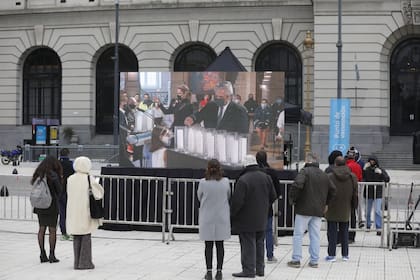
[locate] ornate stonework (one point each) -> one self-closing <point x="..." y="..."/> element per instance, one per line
<point x="411" y="11"/>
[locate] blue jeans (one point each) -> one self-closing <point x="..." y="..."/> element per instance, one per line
<point x="313" y="225"/>
<point x="378" y="212"/>
<point x="269" y="246"/>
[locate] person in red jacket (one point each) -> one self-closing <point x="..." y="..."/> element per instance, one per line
<point x="357" y="171"/>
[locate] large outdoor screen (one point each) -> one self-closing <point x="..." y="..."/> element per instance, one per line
<point x="183" y="119"/>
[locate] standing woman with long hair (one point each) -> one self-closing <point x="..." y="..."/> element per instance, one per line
<point x="214" y="215"/>
<point x="49" y="169"/>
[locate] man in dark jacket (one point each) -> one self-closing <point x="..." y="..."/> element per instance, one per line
<point x="67" y="165"/>
<point x="373" y="173"/>
<point x="310" y="194"/>
<point x="222" y="113"/>
<point x="340" y="207"/>
<point x="254" y="193"/>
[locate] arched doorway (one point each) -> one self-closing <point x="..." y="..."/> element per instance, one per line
<point x="41" y="86"/>
<point x="405" y="87"/>
<point x="195" y="57"/>
<point x="105" y="84"/>
<point x="282" y="57"/>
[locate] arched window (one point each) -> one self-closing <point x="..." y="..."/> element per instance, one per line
<point x="405" y="88"/>
<point x="281" y="57"/>
<point x="42" y="86"/>
<point x="195" y="57"/>
<point x="105" y="84"/>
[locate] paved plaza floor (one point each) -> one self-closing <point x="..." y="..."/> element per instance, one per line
<point x="143" y="255"/>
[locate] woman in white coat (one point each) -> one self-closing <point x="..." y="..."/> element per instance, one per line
<point x="214" y="215"/>
<point x="79" y="223"/>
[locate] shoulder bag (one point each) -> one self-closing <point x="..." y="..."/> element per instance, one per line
<point x="96" y="208"/>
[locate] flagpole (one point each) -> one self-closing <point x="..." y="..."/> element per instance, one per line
<point x="116" y="76"/>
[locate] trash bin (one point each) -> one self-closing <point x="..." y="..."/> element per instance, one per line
<point x="416" y="147"/>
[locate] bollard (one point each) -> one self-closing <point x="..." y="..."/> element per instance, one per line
<point x="4" y="191"/>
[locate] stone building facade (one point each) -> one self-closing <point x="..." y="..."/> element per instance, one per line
<point x="377" y="36"/>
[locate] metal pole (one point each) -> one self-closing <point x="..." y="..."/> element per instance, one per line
<point x="116" y="76"/>
<point x="339" y="52"/>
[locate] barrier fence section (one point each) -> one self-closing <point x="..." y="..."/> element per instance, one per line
<point x="285" y="222"/>
<point x="172" y="203"/>
<point x="403" y="220"/>
<point x="135" y="200"/>
<point x="183" y="204"/>
<point x="14" y="199"/>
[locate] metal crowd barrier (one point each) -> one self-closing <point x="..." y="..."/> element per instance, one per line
<point x="403" y="220"/>
<point x="171" y="203"/>
<point x="135" y="200"/>
<point x="183" y="204"/>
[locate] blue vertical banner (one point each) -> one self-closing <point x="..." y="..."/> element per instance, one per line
<point x="339" y="125"/>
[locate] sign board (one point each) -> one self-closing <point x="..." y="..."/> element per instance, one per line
<point x="40" y="134"/>
<point x="339" y="125"/>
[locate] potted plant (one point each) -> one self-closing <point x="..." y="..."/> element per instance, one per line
<point x="68" y="133"/>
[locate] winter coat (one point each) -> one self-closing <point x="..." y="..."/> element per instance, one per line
<point x="55" y="186"/>
<point x="214" y="212"/>
<point x="346" y="189"/>
<point x="355" y="169"/>
<point x="311" y="191"/>
<point x="254" y="193"/>
<point x="180" y="108"/>
<point x="262" y="118"/>
<point x="374" y="174"/>
<point x="68" y="170"/>
<point x="78" y="221"/>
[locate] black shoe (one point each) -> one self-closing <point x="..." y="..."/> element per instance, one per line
<point x="260" y="274"/>
<point x="378" y="233"/>
<point x="43" y="257"/>
<point x="243" y="275"/>
<point x="53" y="259"/>
<point x="208" y="276"/>
<point x="219" y="275"/>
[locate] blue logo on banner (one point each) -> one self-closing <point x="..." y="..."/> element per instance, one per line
<point x="339" y="125"/>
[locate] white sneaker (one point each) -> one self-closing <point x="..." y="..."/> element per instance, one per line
<point x="346" y="258"/>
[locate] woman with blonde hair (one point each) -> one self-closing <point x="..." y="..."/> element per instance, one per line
<point x="214" y="215"/>
<point x="79" y="222"/>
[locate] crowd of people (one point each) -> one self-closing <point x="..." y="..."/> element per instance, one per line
<point x="247" y="211"/>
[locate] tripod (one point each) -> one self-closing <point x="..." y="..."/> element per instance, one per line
<point x="407" y="223"/>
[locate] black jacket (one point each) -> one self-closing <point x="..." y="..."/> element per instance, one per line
<point x="311" y="191"/>
<point x="68" y="170"/>
<point x="374" y="174"/>
<point x="180" y="108"/>
<point x="254" y="193"/>
<point x="235" y="118"/>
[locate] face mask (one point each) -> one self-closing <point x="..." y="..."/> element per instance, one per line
<point x="278" y="101"/>
<point x="220" y="102"/>
<point x="132" y="106"/>
<point x="236" y="101"/>
<point x="263" y="105"/>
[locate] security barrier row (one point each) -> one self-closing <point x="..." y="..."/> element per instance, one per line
<point x="171" y="204"/>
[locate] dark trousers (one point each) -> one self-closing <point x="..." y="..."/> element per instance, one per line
<point x="208" y="254"/>
<point x="62" y="205"/>
<point x="82" y="247"/>
<point x="333" y="235"/>
<point x="352" y="234"/>
<point x="252" y="252"/>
